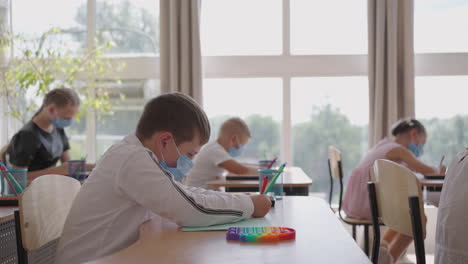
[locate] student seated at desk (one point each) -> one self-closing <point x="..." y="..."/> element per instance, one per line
<point x="42" y="142"/>
<point x="135" y="181"/>
<point x="452" y="216"/>
<point x="217" y="157"/>
<point x="405" y="148"/>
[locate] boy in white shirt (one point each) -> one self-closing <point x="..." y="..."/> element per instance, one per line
<point x="135" y="180"/>
<point x="217" y="157"/>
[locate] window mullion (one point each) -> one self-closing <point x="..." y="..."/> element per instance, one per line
<point x="91" y="113"/>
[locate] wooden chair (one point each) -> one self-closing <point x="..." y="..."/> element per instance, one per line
<point x="335" y="166"/>
<point x="393" y="193"/>
<point x="8" y="254"/>
<point x="43" y="208"/>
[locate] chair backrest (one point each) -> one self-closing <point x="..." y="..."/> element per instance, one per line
<point x="336" y="172"/>
<point x="334" y="159"/>
<point x="43" y="209"/>
<point x="394" y="184"/>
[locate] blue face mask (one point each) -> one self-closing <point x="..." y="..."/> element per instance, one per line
<point x="417" y="149"/>
<point x="61" y="122"/>
<point x="236" y="152"/>
<point x="184" y="164"/>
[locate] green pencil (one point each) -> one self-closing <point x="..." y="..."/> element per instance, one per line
<point x="272" y="182"/>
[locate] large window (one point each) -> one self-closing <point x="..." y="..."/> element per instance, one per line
<point x="329" y="111"/>
<point x="328" y="27"/>
<point x="241" y="27"/>
<point x="124" y="118"/>
<point x="132" y="27"/>
<point x="36" y="17"/>
<point x="257" y="101"/>
<point x="441" y="106"/>
<point x="295" y="71"/>
<point x="439" y="26"/>
<point x="442" y="76"/>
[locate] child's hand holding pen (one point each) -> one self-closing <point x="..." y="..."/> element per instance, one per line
<point x="262" y="204"/>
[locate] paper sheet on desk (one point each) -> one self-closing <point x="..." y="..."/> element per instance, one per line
<point x="254" y="222"/>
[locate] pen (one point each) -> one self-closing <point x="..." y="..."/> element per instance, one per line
<point x="442" y="161"/>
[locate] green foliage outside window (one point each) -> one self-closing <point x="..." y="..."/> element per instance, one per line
<point x="328" y="126"/>
<point x="40" y="65"/>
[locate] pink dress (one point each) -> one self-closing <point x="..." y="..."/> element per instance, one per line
<point x="356" y="198"/>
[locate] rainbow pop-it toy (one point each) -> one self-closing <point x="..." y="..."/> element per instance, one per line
<point x="260" y="234"/>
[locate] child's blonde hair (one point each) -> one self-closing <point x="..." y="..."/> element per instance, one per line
<point x="235" y="126"/>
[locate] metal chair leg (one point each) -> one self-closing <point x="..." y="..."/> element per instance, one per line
<point x="417" y="229"/>
<point x="366" y="239"/>
<point x="354" y="232"/>
<point x="375" y="222"/>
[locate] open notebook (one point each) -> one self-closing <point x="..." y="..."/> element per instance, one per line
<point x="254" y="222"/>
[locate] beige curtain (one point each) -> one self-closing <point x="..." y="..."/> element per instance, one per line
<point x="391" y="65"/>
<point x="181" y="65"/>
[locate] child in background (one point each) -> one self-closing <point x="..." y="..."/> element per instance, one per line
<point x="406" y="146"/>
<point x="135" y="180"/>
<point x="42" y="142"/>
<point x="217" y="157"/>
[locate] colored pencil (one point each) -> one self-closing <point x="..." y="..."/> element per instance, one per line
<point x="272" y="182"/>
<point x="272" y="162"/>
<point x="16" y="185"/>
<point x="264" y="184"/>
<point x="10" y="184"/>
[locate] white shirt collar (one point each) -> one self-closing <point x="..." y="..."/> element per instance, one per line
<point x="132" y="139"/>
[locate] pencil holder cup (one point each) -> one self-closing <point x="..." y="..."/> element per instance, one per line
<point x="13" y="182"/>
<point x="77" y="169"/>
<point x="277" y="188"/>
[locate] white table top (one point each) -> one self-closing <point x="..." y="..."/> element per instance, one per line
<point x="320" y="238"/>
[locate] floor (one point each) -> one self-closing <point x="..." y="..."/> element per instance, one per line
<point x="431" y="213"/>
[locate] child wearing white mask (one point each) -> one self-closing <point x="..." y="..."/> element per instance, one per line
<point x="217" y="157"/>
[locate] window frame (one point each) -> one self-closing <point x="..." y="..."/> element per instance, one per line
<point x="285" y="66"/>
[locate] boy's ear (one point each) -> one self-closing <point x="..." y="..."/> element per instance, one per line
<point x="165" y="137"/>
<point x="233" y="139"/>
<point x="51" y="108"/>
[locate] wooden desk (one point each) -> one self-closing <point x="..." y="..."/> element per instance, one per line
<point x="6" y="212"/>
<point x="431" y="189"/>
<point x="430" y="184"/>
<point x="320" y="238"/>
<point x="295" y="182"/>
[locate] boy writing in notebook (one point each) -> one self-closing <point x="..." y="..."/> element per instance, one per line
<point x="135" y="181"/>
<point x="217" y="157"/>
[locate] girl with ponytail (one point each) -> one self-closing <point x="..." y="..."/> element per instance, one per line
<point x="405" y="147"/>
